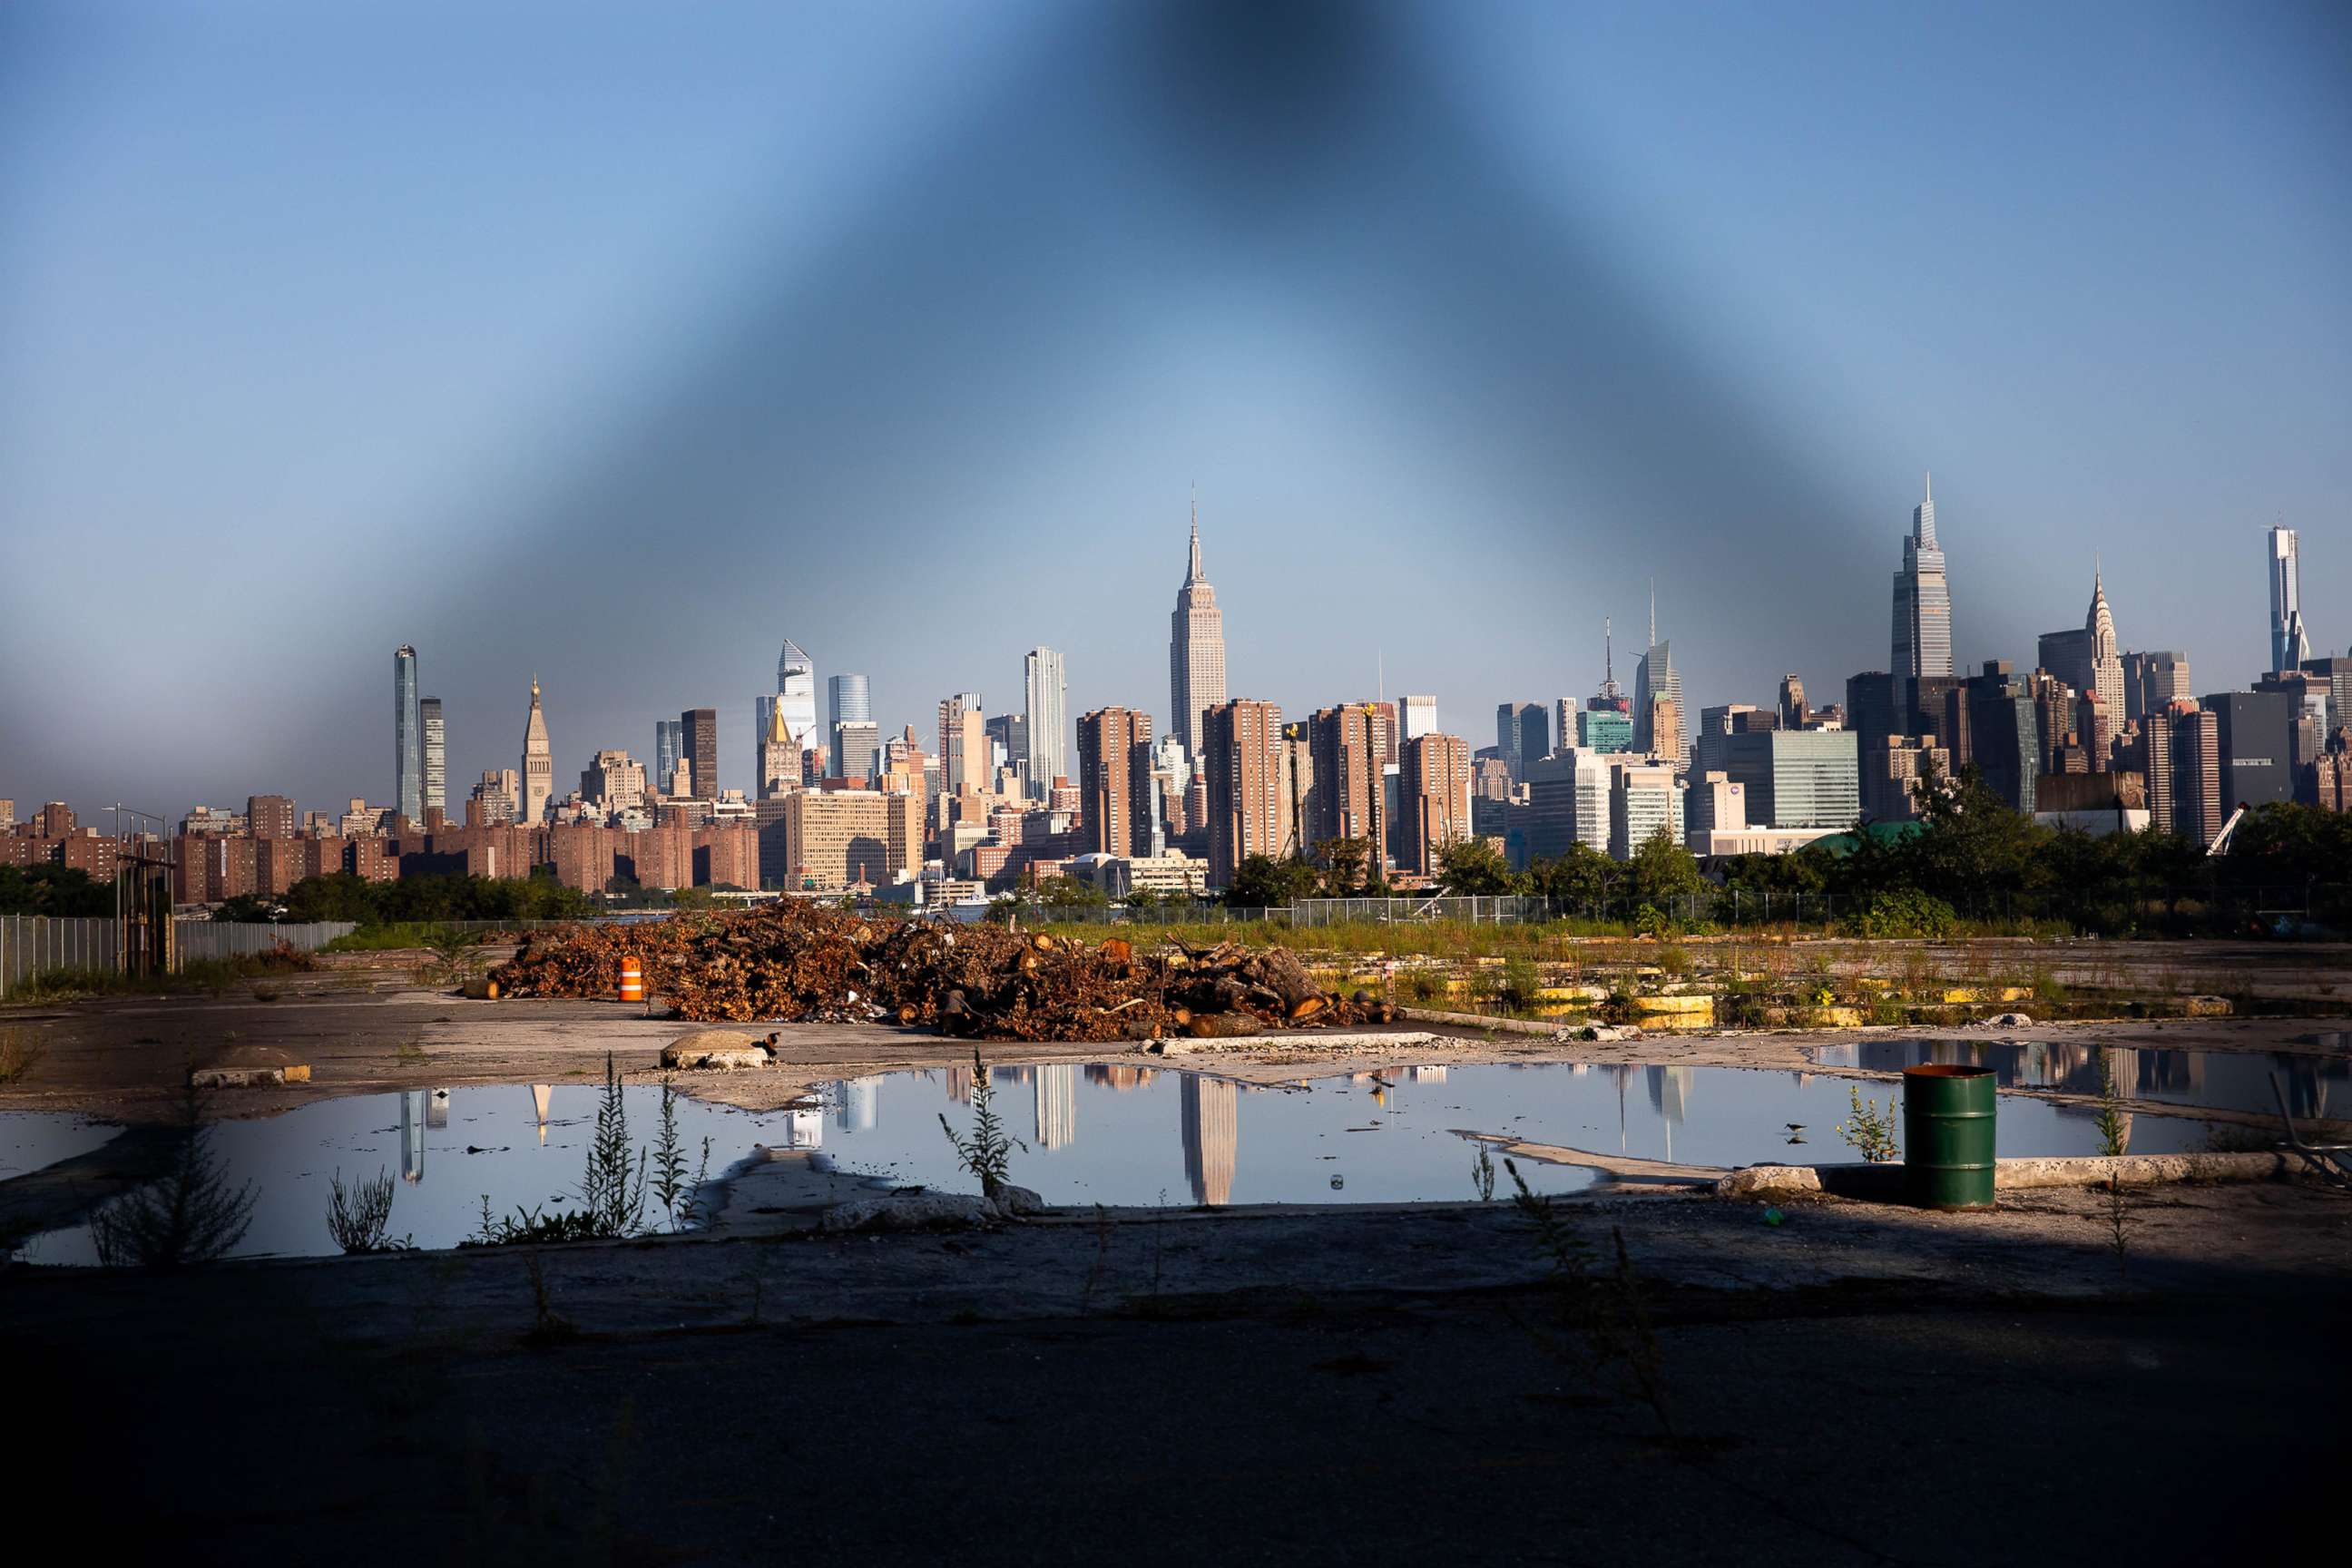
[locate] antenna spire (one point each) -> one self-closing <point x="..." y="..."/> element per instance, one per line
<point x="1194" y="574"/>
<point x="1654" y="612"/>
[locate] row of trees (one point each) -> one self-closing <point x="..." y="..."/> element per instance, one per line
<point x="1970" y="850"/>
<point x="58" y="892"/>
<point x="416" y="900"/>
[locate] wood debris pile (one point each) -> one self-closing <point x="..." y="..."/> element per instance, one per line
<point x="794" y="962"/>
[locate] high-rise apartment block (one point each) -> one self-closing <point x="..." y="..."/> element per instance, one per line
<point x="1046" y="700"/>
<point x="1436" y="793"/>
<point x="407" y="737"/>
<point x="1347" y="744"/>
<point x="437" y="755"/>
<point x="1240" y="742"/>
<point x="1196" y="652"/>
<point x="1923" y="603"/>
<point x="1116" y="811"/>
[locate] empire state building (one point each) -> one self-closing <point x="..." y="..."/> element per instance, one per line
<point x="1196" y="652"/>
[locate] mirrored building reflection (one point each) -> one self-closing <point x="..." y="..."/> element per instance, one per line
<point x="412" y="1136"/>
<point x="1211" y="1121"/>
<point x="1056" y="1101"/>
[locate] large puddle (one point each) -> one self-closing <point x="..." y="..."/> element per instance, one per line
<point x="520" y="1144"/>
<point x="2317" y="1087"/>
<point x="35" y="1141"/>
<point x="1118" y="1135"/>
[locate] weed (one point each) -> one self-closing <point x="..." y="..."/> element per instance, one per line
<point x="547" y="1326"/>
<point x="2119" y="1218"/>
<point x="2115" y="1122"/>
<point x="359" y="1218"/>
<point x="1102" y="1258"/>
<point x="20" y="1050"/>
<point x="988" y="1152"/>
<point x="671" y="1187"/>
<point x="192" y="1216"/>
<point x="1870" y="1130"/>
<point x="613" y="1195"/>
<point x="611" y="1188"/>
<point x="1482" y="1175"/>
<point x="1607" y="1313"/>
<point x="266" y="993"/>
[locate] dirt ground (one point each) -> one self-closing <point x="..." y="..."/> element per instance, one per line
<point x="1859" y="1384"/>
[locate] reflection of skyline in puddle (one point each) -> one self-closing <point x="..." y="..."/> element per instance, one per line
<point x="522" y="1144"/>
<point x="2319" y="1087"/>
<point x="1101" y="1132"/>
<point x="1393" y="1132"/>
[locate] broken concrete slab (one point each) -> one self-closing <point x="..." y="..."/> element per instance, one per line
<point x="247" y="1077"/>
<point x="721" y="1051"/>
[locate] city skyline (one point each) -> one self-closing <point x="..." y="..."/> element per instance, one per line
<point x="704" y="326"/>
<point x="797" y="672"/>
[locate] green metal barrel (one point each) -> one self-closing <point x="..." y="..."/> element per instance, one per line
<point x="1947" y="1136"/>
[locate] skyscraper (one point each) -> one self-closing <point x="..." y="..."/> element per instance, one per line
<point x="796" y="695"/>
<point x="1523" y="735"/>
<point x="538" y="764"/>
<point x="436" y="755"/>
<point x="1923" y="604"/>
<point x="1048" y="703"/>
<point x="1196" y="652"/>
<point x="848" y="700"/>
<point x="964" y="742"/>
<point x="780" y="758"/>
<point x="698" y="730"/>
<point x="1653" y="678"/>
<point x="2289" y="646"/>
<point x="669" y="750"/>
<point x="1793" y="712"/>
<point x="407" y="737"/>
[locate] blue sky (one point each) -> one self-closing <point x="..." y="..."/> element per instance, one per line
<point x="612" y="344"/>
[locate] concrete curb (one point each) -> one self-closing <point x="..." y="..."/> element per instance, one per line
<point x="1886" y="1181"/>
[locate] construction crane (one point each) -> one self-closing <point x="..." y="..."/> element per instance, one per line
<point x="2220" y="845"/>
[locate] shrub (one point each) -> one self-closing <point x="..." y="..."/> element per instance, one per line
<point x="1902" y="913"/>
